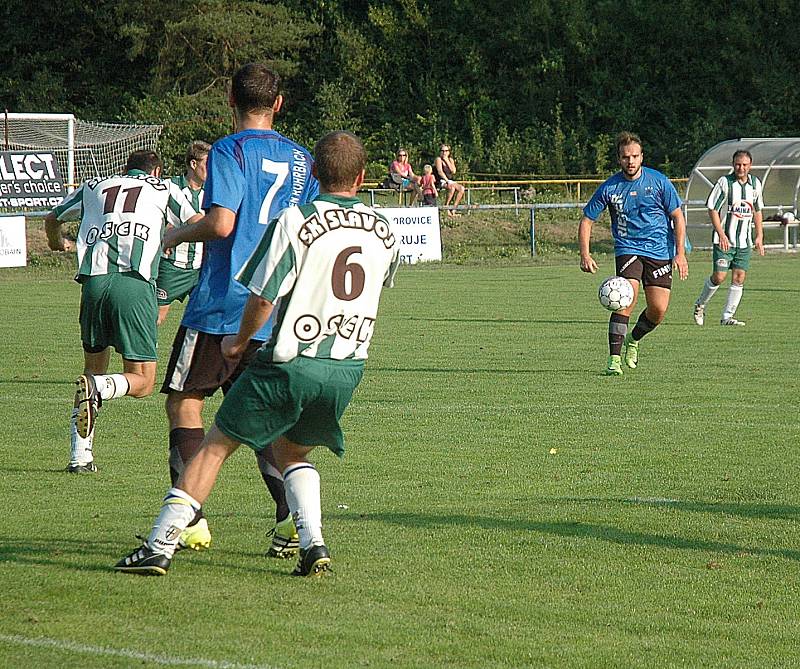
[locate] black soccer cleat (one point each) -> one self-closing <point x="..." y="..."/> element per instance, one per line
<point x="285" y="541"/>
<point x="88" y="401"/>
<point x="313" y="561"/>
<point x="144" y="561"/>
<point x="88" y="468"/>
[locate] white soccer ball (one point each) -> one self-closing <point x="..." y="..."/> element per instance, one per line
<point x="616" y="293"/>
<point x="788" y="217"/>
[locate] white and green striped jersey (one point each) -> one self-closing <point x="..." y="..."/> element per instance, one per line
<point x="736" y="203"/>
<point x="122" y="222"/>
<point x="188" y="255"/>
<point x="326" y="262"/>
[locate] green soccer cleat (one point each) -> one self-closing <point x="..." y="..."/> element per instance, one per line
<point x="314" y="561"/>
<point x="285" y="540"/>
<point x="631" y="351"/>
<point x="614" y="367"/>
<point x="197" y="537"/>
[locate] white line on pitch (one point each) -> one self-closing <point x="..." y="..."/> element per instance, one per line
<point x="166" y="660"/>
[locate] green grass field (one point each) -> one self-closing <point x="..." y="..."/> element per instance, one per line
<point x="501" y="504"/>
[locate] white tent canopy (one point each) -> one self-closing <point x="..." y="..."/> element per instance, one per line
<point x="776" y="161"/>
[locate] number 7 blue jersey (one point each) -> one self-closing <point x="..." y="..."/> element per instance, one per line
<point x="255" y="173"/>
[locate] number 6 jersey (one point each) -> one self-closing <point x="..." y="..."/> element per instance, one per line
<point x="327" y="261"/>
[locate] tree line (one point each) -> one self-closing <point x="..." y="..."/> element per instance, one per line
<point x="536" y="87"/>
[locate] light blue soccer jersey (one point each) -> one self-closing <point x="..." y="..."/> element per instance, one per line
<point x="639" y="210"/>
<point x="255" y="173"/>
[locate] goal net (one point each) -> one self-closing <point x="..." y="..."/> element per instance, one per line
<point x="83" y="149"/>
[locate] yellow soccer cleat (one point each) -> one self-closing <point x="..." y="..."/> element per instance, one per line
<point x="197" y="537"/>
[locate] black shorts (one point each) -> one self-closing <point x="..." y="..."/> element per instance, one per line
<point x="196" y="364"/>
<point x="647" y="271"/>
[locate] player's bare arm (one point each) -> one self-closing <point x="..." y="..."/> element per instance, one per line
<point x="55" y="240"/>
<point x="679" y="228"/>
<point x="256" y="312"/>
<point x="758" y="221"/>
<point x="724" y="242"/>
<point x="218" y="223"/>
<point x="584" y="235"/>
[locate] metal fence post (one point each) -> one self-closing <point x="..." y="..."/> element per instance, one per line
<point x="533" y="228"/>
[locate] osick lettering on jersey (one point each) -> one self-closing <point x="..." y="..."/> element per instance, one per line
<point x="109" y="229"/>
<point x="313" y="228"/>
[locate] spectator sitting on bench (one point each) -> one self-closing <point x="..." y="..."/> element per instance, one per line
<point x="445" y="168"/>
<point x="401" y="174"/>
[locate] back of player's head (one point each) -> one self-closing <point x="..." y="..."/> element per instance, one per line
<point x="625" y="138"/>
<point x="144" y="160"/>
<point x="741" y="152"/>
<point x="255" y="88"/>
<point x="339" y="157"/>
<point x="197" y="150"/>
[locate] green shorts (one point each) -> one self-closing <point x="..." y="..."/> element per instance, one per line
<point x="733" y="258"/>
<point x="119" y="310"/>
<point x="174" y="283"/>
<point x="302" y="399"/>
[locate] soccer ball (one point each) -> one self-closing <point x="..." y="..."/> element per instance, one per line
<point x="788" y="217"/>
<point x="616" y="293"/>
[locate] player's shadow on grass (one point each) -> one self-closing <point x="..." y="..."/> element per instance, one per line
<point x="84" y="556"/>
<point x="512" y="321"/>
<point x="474" y="370"/>
<point x="577" y="530"/>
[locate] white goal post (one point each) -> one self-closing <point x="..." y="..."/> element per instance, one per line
<point x="83" y="149"/>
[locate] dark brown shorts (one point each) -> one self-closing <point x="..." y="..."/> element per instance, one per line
<point x="197" y="365"/>
<point x="647" y="271"/>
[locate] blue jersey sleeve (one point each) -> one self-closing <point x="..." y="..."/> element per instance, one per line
<point x="598" y="202"/>
<point x="672" y="200"/>
<point x="225" y="185"/>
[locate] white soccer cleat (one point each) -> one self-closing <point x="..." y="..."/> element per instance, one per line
<point x="699" y="314"/>
<point x="730" y="321"/>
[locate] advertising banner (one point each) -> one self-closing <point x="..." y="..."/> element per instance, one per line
<point x="418" y="230"/>
<point x="30" y="179"/>
<point x="13" y="249"/>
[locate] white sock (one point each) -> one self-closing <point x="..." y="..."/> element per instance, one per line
<point x="707" y="293"/>
<point x="303" y="497"/>
<point x="80" y="452"/>
<point x="734" y="297"/>
<point x="177" y="512"/>
<point x="111" y="386"/>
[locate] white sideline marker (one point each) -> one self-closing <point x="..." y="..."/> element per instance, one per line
<point x="166" y="660"/>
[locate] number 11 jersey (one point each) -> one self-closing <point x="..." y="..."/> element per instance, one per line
<point x="254" y="173"/>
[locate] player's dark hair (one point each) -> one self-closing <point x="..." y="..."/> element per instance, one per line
<point x="197" y="149"/>
<point x="339" y="157"/>
<point x="255" y="88"/>
<point x="624" y="138"/>
<point x="144" y="160"/>
<point x="741" y="152"/>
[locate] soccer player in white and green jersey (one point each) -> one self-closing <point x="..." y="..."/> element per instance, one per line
<point x="179" y="269"/>
<point x="325" y="264"/>
<point x="119" y="243"/>
<point x="739" y="196"/>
